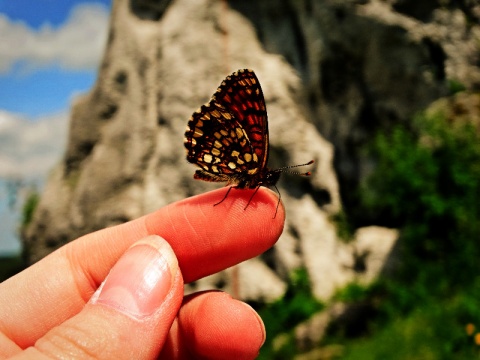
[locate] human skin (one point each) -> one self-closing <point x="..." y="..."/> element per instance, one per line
<point x="58" y="307"/>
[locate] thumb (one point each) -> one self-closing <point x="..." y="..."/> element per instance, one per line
<point x="129" y="316"/>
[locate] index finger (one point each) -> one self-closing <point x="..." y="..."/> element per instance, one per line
<point x="205" y="238"/>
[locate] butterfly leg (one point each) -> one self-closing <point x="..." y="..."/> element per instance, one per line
<point x="278" y="203"/>
<point x="251" y="197"/>
<point x="228" y="192"/>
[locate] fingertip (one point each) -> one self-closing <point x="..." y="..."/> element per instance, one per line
<point x="257" y="322"/>
<point x="254" y="213"/>
<point x="231" y="202"/>
<point x="238" y="330"/>
<point x="211" y="232"/>
<point x="275" y="199"/>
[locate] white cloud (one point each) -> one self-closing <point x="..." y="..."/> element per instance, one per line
<point x="29" y="149"/>
<point x="76" y="45"/>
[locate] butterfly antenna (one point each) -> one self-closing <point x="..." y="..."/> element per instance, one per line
<point x="285" y="169"/>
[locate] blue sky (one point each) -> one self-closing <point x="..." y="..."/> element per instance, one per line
<point x="40" y="77"/>
<point x="49" y="53"/>
<point x="37" y="13"/>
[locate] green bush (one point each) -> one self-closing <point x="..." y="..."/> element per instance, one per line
<point x="353" y="292"/>
<point x="433" y="330"/>
<point x="297" y="305"/>
<point x="428" y="184"/>
<point x="455" y="86"/>
<point x="29" y="208"/>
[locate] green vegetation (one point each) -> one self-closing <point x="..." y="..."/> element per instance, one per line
<point x="297" y="305"/>
<point x="11" y="265"/>
<point x="353" y="292"/>
<point x="29" y="208"/>
<point x="434" y="329"/>
<point x="344" y="228"/>
<point x="455" y="86"/>
<point x="427" y="184"/>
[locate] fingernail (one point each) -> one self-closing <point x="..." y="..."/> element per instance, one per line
<point x="140" y="281"/>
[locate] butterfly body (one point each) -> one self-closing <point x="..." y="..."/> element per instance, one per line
<point x="267" y="178"/>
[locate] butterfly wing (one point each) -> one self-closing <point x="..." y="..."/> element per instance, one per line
<point x="228" y="137"/>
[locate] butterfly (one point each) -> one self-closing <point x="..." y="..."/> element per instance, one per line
<point x="228" y="137"/>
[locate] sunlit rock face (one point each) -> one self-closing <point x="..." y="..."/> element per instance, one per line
<point x="333" y="73"/>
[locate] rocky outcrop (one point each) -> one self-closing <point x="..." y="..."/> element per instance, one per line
<point x="332" y="72"/>
<point x="365" y="64"/>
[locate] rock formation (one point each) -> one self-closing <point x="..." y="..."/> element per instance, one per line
<point x="333" y="72"/>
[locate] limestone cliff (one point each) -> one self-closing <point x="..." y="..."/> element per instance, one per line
<point x="332" y="73"/>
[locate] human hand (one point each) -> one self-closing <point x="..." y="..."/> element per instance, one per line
<point x="61" y="307"/>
